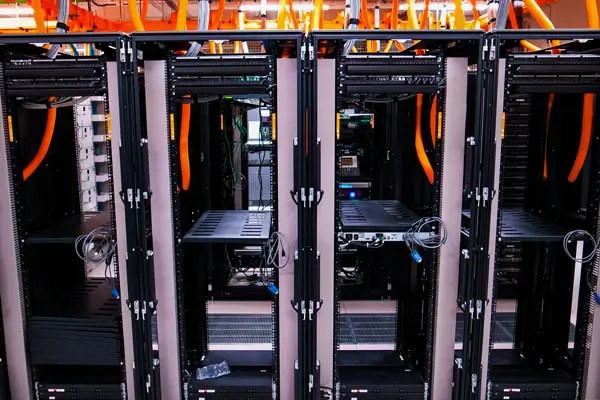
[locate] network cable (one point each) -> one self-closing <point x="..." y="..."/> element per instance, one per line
<point x="416" y="236"/>
<point x="581" y="235"/>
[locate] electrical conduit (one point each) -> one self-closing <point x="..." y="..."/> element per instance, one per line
<point x="45" y="145"/>
<point x="588" y="105"/>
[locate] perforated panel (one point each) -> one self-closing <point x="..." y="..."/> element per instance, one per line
<point x="232" y="226"/>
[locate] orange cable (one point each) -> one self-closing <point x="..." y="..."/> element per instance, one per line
<point x="413" y="22"/>
<point x="394" y="15"/>
<point x="135" y="15"/>
<point x="181" y="24"/>
<point x="292" y="14"/>
<point x="317" y="15"/>
<point x="588" y="105"/>
<point x="424" y="16"/>
<point x="549" y="114"/>
<point x="586" y="136"/>
<point x="421" y="155"/>
<point x="184" y="156"/>
<point x="38" y="15"/>
<point x="186" y="110"/>
<point x="433" y="119"/>
<point x="281" y="15"/>
<point x="459" y="15"/>
<point x="388" y="46"/>
<point x="44" y="145"/>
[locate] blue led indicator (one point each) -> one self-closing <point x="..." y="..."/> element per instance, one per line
<point x="352" y="195"/>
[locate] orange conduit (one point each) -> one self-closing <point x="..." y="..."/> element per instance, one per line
<point x="588" y="105"/>
<point x="317" y="15"/>
<point x="38" y="15"/>
<point x="186" y="110"/>
<point x="540" y="17"/>
<point x="433" y="119"/>
<point x="292" y="14"/>
<point x="424" y="16"/>
<point x="515" y="25"/>
<point x="364" y="15"/>
<point x="476" y="13"/>
<point x="181" y="15"/>
<point x="586" y="135"/>
<point x="388" y="46"/>
<point x="45" y="145"/>
<point x="421" y="155"/>
<point x="413" y="22"/>
<point x="394" y="15"/>
<point x="220" y="48"/>
<point x="282" y="14"/>
<point x="184" y="156"/>
<point x="459" y="15"/>
<point x="135" y="15"/>
<point x="550" y="103"/>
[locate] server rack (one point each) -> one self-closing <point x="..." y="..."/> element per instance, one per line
<point x="540" y="196"/>
<point x="68" y="334"/>
<point x="378" y="191"/>
<point x="201" y="230"/>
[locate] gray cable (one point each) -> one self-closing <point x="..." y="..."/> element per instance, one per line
<point x="203" y="21"/>
<point x="96" y="246"/>
<point x="63" y="15"/>
<point x="414" y="236"/>
<point x="277" y="243"/>
<point x="578" y="235"/>
<point x="502" y="16"/>
<point x="354" y="13"/>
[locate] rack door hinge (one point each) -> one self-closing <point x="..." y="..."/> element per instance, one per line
<point x="311" y="196"/>
<point x="311" y="382"/>
<point x="478" y="308"/>
<point x="148" y="383"/>
<point x="136" y="309"/>
<point x="485" y="194"/>
<point x="473" y="382"/>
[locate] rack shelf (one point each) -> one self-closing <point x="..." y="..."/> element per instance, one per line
<point x="523" y="226"/>
<point x="232" y="226"/>
<point x="376" y="215"/>
<point x="67" y="231"/>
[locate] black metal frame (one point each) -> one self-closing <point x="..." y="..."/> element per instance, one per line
<point x="120" y="44"/>
<point x="496" y="42"/>
<point x="162" y="41"/>
<point x="442" y="41"/>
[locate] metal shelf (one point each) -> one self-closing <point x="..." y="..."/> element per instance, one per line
<point x="67" y="231"/>
<point x="523" y="226"/>
<point x="376" y="215"/>
<point x="231" y="226"/>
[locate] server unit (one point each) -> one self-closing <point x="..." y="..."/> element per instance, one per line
<point x="543" y="219"/>
<point x="393" y="131"/>
<point x="220" y="129"/>
<point x="61" y="266"/>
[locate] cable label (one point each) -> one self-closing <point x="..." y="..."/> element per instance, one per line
<point x="11" y="134"/>
<point x="108" y="127"/>
<point x="337" y="126"/>
<point x="439" y="125"/>
<point x="274" y="127"/>
<point x="172" y="121"/>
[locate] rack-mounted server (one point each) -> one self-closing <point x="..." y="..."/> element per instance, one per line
<point x="393" y="133"/>
<point x="63" y="267"/>
<point x="222" y="224"/>
<point x="543" y="218"/>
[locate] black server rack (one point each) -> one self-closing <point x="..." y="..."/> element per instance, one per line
<point x="218" y="191"/>
<point x="540" y="230"/>
<point x="72" y="324"/>
<point x="391" y="127"/>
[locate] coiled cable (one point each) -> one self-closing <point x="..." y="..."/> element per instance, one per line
<point x="580" y="235"/>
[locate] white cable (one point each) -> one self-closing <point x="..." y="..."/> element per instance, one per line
<point x="63" y="15"/>
<point x="95" y="246"/>
<point x="203" y="21"/>
<point x="354" y="13"/>
<point x="277" y="243"/>
<point x="580" y="235"/>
